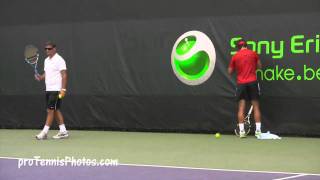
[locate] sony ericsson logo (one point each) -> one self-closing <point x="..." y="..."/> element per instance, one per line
<point x="193" y="58"/>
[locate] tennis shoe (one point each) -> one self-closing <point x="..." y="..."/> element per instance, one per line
<point x="242" y="134"/>
<point x="41" y="136"/>
<point x="258" y="133"/>
<point x="61" y="135"/>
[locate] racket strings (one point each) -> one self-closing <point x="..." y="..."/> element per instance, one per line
<point x="33" y="59"/>
<point x="30" y="52"/>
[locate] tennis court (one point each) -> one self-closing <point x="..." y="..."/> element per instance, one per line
<point x="160" y="156"/>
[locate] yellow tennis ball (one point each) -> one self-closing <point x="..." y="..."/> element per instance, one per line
<point x="60" y="96"/>
<point x="217" y="135"/>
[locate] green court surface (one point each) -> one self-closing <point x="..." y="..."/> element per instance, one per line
<point x="290" y="154"/>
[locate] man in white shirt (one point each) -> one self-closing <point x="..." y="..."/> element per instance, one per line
<point x="55" y="77"/>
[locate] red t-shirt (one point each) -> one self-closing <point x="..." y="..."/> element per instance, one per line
<point x="245" y="63"/>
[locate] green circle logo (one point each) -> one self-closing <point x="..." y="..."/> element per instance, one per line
<point x="193" y="58"/>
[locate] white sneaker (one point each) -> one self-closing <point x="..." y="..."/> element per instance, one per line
<point x="258" y="133"/>
<point x="242" y="134"/>
<point x="61" y="135"/>
<point x="41" y="136"/>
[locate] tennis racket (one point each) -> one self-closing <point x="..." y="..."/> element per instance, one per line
<point x="246" y="123"/>
<point x="31" y="56"/>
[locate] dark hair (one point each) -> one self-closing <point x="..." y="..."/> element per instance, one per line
<point x="49" y="43"/>
<point x="241" y="43"/>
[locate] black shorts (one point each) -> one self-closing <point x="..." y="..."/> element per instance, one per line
<point x="53" y="100"/>
<point x="248" y="92"/>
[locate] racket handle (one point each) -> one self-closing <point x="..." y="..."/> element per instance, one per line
<point x="251" y="108"/>
<point x="37" y="77"/>
<point x="36" y="72"/>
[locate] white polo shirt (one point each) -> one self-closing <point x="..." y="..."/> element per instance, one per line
<point x="53" y="67"/>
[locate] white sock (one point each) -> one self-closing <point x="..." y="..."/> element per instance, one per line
<point x="258" y="126"/>
<point x="62" y="128"/>
<point x="241" y="126"/>
<point x="46" y="129"/>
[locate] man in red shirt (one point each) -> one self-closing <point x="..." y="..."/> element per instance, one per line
<point x="245" y="62"/>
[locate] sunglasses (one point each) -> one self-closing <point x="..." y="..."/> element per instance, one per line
<point x="48" y="48"/>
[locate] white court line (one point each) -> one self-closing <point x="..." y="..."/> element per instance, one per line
<point x="209" y="169"/>
<point x="290" y="177"/>
<point x="231" y="170"/>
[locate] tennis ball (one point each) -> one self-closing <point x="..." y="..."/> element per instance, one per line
<point x="217" y="135"/>
<point x="60" y="97"/>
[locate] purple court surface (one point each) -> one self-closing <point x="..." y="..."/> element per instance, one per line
<point x="9" y="171"/>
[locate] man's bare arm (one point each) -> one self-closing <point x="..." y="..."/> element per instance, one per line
<point x="230" y="71"/>
<point x="259" y="65"/>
